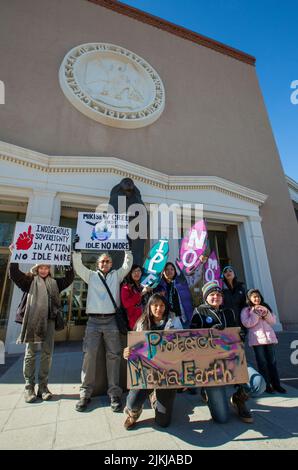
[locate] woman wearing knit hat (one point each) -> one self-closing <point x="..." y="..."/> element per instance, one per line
<point x="37" y="313"/>
<point x="211" y="314"/>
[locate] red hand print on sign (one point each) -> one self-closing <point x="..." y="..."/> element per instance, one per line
<point x="25" y="240"/>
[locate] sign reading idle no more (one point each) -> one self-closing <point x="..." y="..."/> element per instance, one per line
<point x="185" y="358"/>
<point x="42" y="244"/>
<point x="102" y="231"/>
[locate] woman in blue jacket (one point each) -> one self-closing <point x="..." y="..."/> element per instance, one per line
<point x="175" y="289"/>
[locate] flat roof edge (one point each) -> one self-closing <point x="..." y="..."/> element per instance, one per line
<point x="172" y="28"/>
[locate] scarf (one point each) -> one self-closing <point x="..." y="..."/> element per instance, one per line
<point x="43" y="301"/>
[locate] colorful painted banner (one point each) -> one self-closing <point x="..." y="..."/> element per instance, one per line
<point x="192" y="247"/>
<point x="155" y="263"/>
<point x="101" y="231"/>
<point x="42" y="244"/>
<point x="185" y="358"/>
<point x="212" y="269"/>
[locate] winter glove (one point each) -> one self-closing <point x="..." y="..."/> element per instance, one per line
<point x="75" y="240"/>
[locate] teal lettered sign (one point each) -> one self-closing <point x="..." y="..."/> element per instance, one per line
<point x="155" y="263"/>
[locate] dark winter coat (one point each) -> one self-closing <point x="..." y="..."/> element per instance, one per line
<point x="181" y="297"/>
<point x="206" y="316"/>
<point x="23" y="281"/>
<point x="234" y="298"/>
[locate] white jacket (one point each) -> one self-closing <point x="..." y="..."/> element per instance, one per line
<point x="98" y="299"/>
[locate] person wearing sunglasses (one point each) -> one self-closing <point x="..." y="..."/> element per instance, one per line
<point x="101" y="325"/>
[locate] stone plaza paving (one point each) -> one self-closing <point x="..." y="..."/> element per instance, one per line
<point x="56" y="424"/>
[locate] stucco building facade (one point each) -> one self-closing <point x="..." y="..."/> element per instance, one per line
<point x="202" y="136"/>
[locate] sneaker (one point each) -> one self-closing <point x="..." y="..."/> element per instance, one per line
<point x="82" y="404"/>
<point x="269" y="389"/>
<point x="238" y="400"/>
<point x="44" y="393"/>
<point x="29" y="395"/>
<point x="280" y="389"/>
<point x="116" y="404"/>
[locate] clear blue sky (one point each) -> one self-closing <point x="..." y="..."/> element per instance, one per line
<point x="266" y="29"/>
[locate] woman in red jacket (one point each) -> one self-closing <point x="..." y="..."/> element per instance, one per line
<point x="132" y="295"/>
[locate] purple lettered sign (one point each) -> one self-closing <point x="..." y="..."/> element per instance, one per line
<point x="212" y="269"/>
<point x="192" y="247"/>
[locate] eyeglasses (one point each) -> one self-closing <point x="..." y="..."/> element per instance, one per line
<point x="105" y="261"/>
<point x="228" y="270"/>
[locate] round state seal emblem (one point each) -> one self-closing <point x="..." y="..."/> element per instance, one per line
<point x="112" y="85"/>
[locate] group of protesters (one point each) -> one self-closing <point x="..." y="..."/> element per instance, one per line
<point x="167" y="306"/>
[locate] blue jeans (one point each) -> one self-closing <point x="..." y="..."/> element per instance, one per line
<point x="266" y="360"/>
<point x="163" y="406"/>
<point x="256" y="385"/>
<point x="217" y="396"/>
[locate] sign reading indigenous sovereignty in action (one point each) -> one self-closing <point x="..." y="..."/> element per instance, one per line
<point x="42" y="244"/>
<point x="185" y="358"/>
<point x="102" y="231"/>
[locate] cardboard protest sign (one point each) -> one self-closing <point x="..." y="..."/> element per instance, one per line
<point x="155" y="263"/>
<point x="40" y="243"/>
<point x="192" y="247"/>
<point x="102" y="231"/>
<point x="212" y="269"/>
<point x="185" y="358"/>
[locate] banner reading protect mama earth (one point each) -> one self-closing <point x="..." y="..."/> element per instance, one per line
<point x="186" y="358"/>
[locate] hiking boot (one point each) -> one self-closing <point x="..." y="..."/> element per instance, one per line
<point x="29" y="395"/>
<point x="82" y="404"/>
<point x="132" y="418"/>
<point x="116" y="404"/>
<point x="238" y="400"/>
<point x="44" y="393"/>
